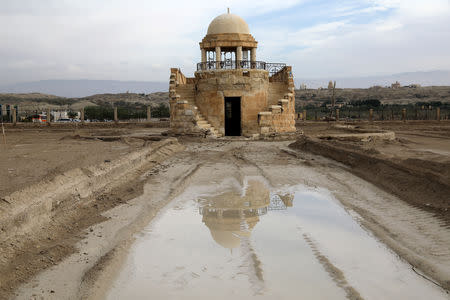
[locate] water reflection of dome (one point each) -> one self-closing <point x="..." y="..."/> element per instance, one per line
<point x="231" y="216"/>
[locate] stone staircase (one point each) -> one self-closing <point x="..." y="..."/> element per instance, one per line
<point x="204" y="124"/>
<point x="187" y="93"/>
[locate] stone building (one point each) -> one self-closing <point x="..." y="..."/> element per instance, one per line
<point x="232" y="93"/>
<point x="396" y="85"/>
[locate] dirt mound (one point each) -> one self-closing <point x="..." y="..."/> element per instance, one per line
<point x="415" y="181"/>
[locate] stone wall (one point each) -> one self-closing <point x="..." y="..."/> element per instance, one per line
<point x="213" y="86"/>
<point x="280" y="117"/>
<point x="198" y="104"/>
<point x="183" y="113"/>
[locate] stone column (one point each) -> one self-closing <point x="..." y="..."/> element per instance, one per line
<point x="371" y="115"/>
<point x="253" y="57"/>
<point x="404" y="114"/>
<point x="149" y="113"/>
<point x="337" y="114"/>
<point x="438" y="113"/>
<point x="238" y="57"/>
<point x="14" y="116"/>
<point x="203" y="55"/>
<point x="304" y="115"/>
<point x="116" y="118"/>
<point x="218" y="54"/>
<point x="203" y="58"/>
<point x="82" y="115"/>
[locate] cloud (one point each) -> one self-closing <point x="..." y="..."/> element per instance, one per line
<point x="396" y="38"/>
<point x="141" y="39"/>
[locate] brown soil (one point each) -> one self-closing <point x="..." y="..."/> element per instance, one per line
<point x="37" y="158"/>
<point x="415" y="166"/>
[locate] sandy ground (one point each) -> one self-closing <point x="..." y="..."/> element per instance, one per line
<point x="75" y="258"/>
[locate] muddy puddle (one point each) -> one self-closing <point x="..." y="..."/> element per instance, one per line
<point x="244" y="240"/>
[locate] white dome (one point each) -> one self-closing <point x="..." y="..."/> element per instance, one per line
<point x="228" y="23"/>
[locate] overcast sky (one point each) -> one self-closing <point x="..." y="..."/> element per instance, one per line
<point x="142" y="39"/>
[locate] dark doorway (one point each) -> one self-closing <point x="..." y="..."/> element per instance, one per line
<point x="233" y="116"/>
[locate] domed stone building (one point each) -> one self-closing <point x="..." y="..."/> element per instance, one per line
<point x="232" y="93"/>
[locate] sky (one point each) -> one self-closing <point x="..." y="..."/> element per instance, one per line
<point x="142" y="39"/>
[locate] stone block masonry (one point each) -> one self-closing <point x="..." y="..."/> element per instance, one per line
<point x="229" y="94"/>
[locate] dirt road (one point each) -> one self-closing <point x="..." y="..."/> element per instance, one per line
<point x="85" y="247"/>
<point x="417" y="235"/>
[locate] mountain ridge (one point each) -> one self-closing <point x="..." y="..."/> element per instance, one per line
<point x="79" y="88"/>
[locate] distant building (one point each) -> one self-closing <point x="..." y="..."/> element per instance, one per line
<point x="39" y="118"/>
<point x="336" y="105"/>
<point x="396" y="85"/>
<point x="57" y="115"/>
<point x="303" y="86"/>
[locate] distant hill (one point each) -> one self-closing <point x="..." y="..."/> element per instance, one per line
<point x="37" y="101"/>
<point x="432" y="78"/>
<point x="83" y="88"/>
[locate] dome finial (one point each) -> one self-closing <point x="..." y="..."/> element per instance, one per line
<point x="228" y="9"/>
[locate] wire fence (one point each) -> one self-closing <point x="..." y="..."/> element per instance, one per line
<point x="374" y="114"/>
<point x="11" y="114"/>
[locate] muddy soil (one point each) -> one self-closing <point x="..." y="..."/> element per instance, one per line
<point x="415" y="166"/>
<point x="40" y="159"/>
<point x="33" y="155"/>
<point x="413" y="233"/>
<point x="92" y="241"/>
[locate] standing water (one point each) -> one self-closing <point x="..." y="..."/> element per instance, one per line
<point x="254" y="241"/>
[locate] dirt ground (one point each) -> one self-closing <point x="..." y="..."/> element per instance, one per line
<point x="37" y="154"/>
<point x="87" y="238"/>
<point x="415" y="165"/>
<point x="42" y="158"/>
<point x="415" y="139"/>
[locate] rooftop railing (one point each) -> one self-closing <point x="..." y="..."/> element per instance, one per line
<point x="240" y="64"/>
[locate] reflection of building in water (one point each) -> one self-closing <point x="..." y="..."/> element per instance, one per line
<point x="281" y="202"/>
<point x="231" y="216"/>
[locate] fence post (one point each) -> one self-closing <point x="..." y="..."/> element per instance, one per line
<point x="49" y="117"/>
<point x="82" y="115"/>
<point x="304" y="115"/>
<point x="149" y="113"/>
<point x="404" y="114"/>
<point x="371" y="114"/>
<point x="14" y="116"/>
<point x="337" y="114"/>
<point x="116" y="119"/>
